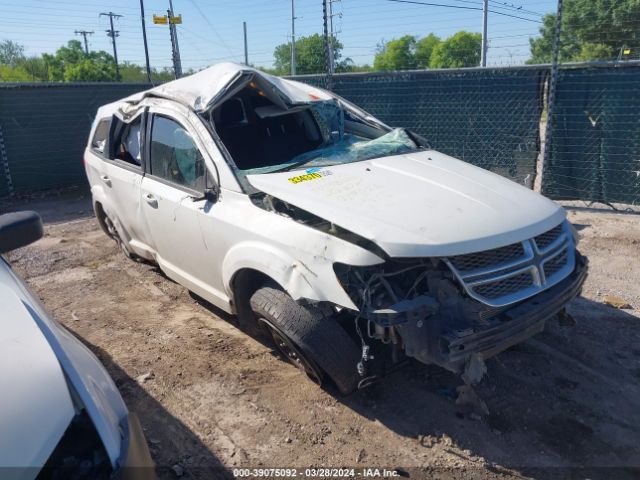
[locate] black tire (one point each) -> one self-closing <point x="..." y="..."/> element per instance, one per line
<point x="319" y="338"/>
<point x="113" y="233"/>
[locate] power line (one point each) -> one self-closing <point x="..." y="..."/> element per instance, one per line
<point x="463" y="8"/>
<point x="514" y="8"/>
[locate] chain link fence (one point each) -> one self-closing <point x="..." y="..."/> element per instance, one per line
<point x="44" y="129"/>
<point x="489" y="117"/>
<point x="595" y="140"/>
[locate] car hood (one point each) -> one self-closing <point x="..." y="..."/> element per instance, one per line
<point x="35" y="404"/>
<point x="423" y="204"/>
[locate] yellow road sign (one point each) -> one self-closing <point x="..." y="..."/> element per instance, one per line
<point x="160" y="19"/>
<point x="176" y="20"/>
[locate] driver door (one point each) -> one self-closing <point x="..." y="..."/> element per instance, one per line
<point x="171" y="198"/>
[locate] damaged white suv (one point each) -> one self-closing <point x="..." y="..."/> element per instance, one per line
<point x="354" y="245"/>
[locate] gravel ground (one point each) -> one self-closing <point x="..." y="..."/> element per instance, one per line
<point x="211" y="399"/>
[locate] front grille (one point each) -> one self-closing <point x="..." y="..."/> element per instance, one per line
<point x="504" y="287"/>
<point x="555" y="264"/>
<point x="506" y="275"/>
<point x="547" y="238"/>
<point x="480" y="260"/>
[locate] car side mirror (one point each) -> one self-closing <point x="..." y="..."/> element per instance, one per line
<point x="210" y="195"/>
<point x="19" y="229"/>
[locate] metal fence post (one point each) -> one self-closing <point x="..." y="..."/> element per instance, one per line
<point x="5" y="165"/>
<point x="551" y="97"/>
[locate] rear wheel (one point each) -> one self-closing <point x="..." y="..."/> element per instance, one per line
<point x="113" y="233"/>
<point x="309" y="339"/>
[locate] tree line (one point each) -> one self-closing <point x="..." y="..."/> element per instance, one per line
<point x="591" y="30"/>
<point x="70" y="63"/>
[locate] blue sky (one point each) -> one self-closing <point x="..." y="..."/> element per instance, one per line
<point x="212" y="29"/>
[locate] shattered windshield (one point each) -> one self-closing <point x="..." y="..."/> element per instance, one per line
<point x="351" y="148"/>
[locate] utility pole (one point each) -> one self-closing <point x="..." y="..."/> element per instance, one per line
<point x="177" y="66"/>
<point x="485" y="16"/>
<point x="84" y="33"/>
<point x="113" y="34"/>
<point x="332" y="66"/>
<point x="246" y="47"/>
<point x="293" y="39"/>
<point x="327" y="46"/>
<point x="144" y="37"/>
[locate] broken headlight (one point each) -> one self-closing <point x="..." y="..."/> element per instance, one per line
<point x="79" y="454"/>
<point x="395" y="291"/>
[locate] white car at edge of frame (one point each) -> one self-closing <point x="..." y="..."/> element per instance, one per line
<point x="61" y="415"/>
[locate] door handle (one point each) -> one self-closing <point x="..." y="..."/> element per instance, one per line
<point x="151" y="200"/>
<point x="106" y="180"/>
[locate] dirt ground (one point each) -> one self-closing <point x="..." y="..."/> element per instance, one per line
<point x="211" y="399"/>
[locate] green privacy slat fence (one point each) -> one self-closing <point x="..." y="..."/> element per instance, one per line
<point x="595" y="142"/>
<point x="45" y="129"/>
<point x="487" y="117"/>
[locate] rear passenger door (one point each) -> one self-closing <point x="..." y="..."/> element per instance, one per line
<point x="121" y="176"/>
<point x="171" y="193"/>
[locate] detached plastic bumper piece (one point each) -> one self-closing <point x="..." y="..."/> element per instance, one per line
<point x="135" y="459"/>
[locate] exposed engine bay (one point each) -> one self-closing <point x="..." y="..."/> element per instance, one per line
<point x="412" y="304"/>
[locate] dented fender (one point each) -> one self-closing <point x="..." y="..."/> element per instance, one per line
<point x="301" y="275"/>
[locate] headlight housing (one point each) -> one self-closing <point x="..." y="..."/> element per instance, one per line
<point x="574" y="233"/>
<point x="80" y="453"/>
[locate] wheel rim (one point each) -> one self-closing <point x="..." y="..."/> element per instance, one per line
<point x="292" y="353"/>
<point x="114" y="234"/>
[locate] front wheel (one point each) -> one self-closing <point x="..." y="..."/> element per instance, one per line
<point x="310" y="340"/>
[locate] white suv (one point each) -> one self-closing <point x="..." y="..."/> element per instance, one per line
<point x="354" y="245"/>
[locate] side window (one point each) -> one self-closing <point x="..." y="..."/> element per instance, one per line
<point x="100" y="136"/>
<point x="175" y="155"/>
<point x="128" y="144"/>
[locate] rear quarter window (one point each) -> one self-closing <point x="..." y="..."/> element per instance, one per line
<point x="99" y="140"/>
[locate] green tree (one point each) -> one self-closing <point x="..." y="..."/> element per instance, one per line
<point x="132" y="73"/>
<point x="11" y="53"/>
<point x="424" y="49"/>
<point x="310" y="56"/>
<point x="36" y="68"/>
<point x="397" y="54"/>
<point x="13" y="74"/>
<point x="590" y="30"/>
<point x="460" y="50"/>
<point x="71" y="64"/>
<point x="94" y="69"/>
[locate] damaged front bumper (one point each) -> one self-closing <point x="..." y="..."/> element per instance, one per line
<point x="442" y="340"/>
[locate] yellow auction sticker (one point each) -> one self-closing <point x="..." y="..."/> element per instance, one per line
<point x="310" y="174"/>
